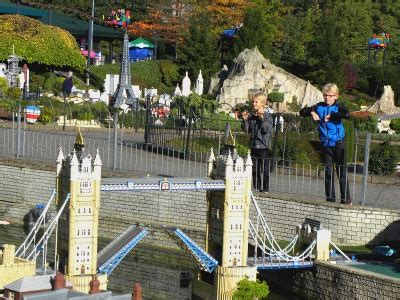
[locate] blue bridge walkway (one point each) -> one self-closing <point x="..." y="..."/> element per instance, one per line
<point x="109" y="258"/>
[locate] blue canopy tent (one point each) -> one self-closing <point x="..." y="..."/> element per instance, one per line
<point x="140" y="49"/>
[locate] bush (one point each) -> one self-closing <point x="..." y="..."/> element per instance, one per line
<point x="383" y="158"/>
<point x="276" y="97"/>
<point x="149" y="73"/>
<point x="247" y="289"/>
<point x="366" y="123"/>
<point x="395" y="125"/>
<point x="38" y="43"/>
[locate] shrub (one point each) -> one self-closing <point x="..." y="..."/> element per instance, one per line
<point x="383" y="158"/>
<point x="276" y="97"/>
<point x="38" y="43"/>
<point x="395" y="125"/>
<point x="349" y="139"/>
<point x="368" y="123"/>
<point x="247" y="289"/>
<point x="45" y="117"/>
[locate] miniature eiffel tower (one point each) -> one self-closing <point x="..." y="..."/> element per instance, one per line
<point x="124" y="93"/>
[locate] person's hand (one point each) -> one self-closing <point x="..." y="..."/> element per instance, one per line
<point x="327" y="118"/>
<point x="245" y="115"/>
<point x="315" y="116"/>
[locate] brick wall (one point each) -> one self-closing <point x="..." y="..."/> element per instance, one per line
<point x="21" y="188"/>
<point x="350" y="225"/>
<point x="328" y="281"/>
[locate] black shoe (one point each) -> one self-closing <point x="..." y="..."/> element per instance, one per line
<point x="330" y="200"/>
<point x="347" y="202"/>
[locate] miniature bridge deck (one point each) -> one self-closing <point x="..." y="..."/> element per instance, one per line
<point x="266" y="264"/>
<point x="160" y="184"/>
<point x="113" y="253"/>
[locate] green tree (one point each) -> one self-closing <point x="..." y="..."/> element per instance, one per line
<point x="256" y="31"/>
<point x="199" y="50"/>
<point x="249" y="290"/>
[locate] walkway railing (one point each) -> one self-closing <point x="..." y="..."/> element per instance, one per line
<point x="290" y="170"/>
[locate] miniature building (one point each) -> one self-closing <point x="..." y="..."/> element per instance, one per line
<point x="55" y="287"/>
<point x="79" y="175"/>
<point x="228" y="221"/>
<point x="20" y="289"/>
<point x="13" y="268"/>
<point x="308" y="233"/>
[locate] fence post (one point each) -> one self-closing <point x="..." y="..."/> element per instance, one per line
<point x="365" y="170"/>
<point x="19" y="130"/>
<point x="115" y="140"/>
<point x="187" y="148"/>
<point x="146" y="129"/>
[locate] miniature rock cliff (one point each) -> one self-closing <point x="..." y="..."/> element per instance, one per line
<point x="385" y="104"/>
<point x="251" y="72"/>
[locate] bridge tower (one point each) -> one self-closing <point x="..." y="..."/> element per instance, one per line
<point x="228" y="222"/>
<point x="79" y="175"/>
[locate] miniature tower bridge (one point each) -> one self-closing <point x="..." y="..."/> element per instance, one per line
<point x="234" y="221"/>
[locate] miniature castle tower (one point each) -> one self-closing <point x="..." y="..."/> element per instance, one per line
<point x="186" y="85"/>
<point x="79" y="175"/>
<point x="13" y="69"/>
<point x="177" y="91"/>
<point x="322" y="236"/>
<point x="124" y="93"/>
<point x="199" y="84"/>
<point x="228" y="222"/>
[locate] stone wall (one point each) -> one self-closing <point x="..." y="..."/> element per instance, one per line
<point x="22" y="188"/>
<point x="350" y="225"/>
<point x="328" y="281"/>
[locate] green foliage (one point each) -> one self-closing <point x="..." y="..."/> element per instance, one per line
<point x="3" y="85"/>
<point x="150" y="73"/>
<point x="13" y="93"/>
<point x="36" y="42"/>
<point x="276" y="97"/>
<point x="383" y="159"/>
<point x="248" y="290"/>
<point x="350" y="105"/>
<point x="257" y="30"/>
<point x="366" y="124"/>
<point x="169" y="72"/>
<point x="349" y="140"/>
<point x="395" y="125"/>
<point x="52" y="83"/>
<point x="199" y="52"/>
<point x="45" y="117"/>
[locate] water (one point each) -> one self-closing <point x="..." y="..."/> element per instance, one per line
<point x="383" y="268"/>
<point x="164" y="273"/>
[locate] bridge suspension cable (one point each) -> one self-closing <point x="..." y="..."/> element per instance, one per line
<point x="42" y="243"/>
<point x="21" y="251"/>
<point x="273" y="249"/>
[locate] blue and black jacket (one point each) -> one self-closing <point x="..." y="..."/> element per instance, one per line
<point x="330" y="132"/>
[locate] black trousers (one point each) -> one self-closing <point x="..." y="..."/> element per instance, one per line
<point x="260" y="158"/>
<point x="336" y="157"/>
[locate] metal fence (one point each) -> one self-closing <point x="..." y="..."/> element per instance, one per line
<point x="171" y="151"/>
<point x="119" y="151"/>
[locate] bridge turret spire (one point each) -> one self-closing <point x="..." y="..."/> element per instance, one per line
<point x="211" y="160"/>
<point x="59" y="160"/>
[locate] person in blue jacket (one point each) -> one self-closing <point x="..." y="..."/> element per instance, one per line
<point x="67" y="85"/>
<point x="259" y="125"/>
<point x="329" y="115"/>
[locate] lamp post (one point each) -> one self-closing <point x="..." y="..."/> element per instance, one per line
<point x="90" y="43"/>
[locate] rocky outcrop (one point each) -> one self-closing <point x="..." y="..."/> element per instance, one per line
<point x="252" y="72"/>
<point x="385" y="105"/>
